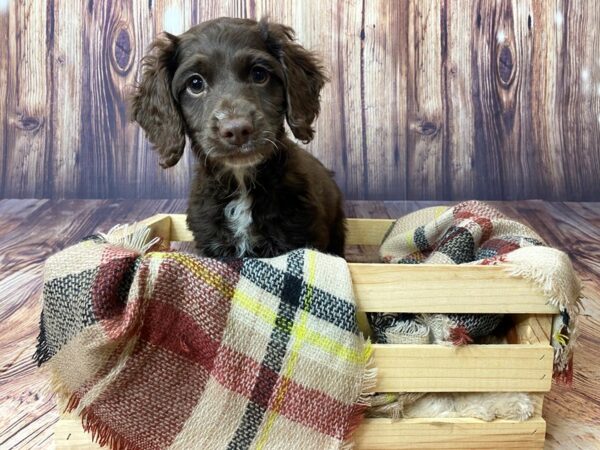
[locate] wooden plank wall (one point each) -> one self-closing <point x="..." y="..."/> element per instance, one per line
<point x="429" y="99"/>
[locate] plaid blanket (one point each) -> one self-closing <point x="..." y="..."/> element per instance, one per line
<point x="473" y="232"/>
<point x="170" y="350"/>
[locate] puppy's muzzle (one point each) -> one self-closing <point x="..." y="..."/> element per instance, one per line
<point x="236" y="131"/>
<point x="235" y="120"/>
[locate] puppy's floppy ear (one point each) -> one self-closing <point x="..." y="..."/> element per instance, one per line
<point x="153" y="105"/>
<point x="304" y="77"/>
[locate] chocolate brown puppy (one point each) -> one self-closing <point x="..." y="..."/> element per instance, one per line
<point x="229" y="85"/>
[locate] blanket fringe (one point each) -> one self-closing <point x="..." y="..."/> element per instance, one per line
<point x="67" y="398"/>
<point x="103" y="434"/>
<point x="132" y="237"/>
<point x="562" y="294"/>
<point x="564" y="376"/>
<point x="73" y="402"/>
<point x="368" y="382"/>
<point x="42" y="351"/>
<point x="555" y="295"/>
<point x="460" y="336"/>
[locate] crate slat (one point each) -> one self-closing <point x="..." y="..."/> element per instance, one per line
<point x="359" y="231"/>
<point x="534" y="328"/>
<point x="366" y="231"/>
<point x="440" y="288"/>
<point x="472" y="368"/>
<point x="383" y="434"/>
<point x="415" y="288"/>
<point x="69" y="435"/>
<point x="159" y="224"/>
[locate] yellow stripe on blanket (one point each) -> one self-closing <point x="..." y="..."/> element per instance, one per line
<point x="255" y="307"/>
<point x="333" y="347"/>
<point x="439" y="210"/>
<point x="268" y="316"/>
<point x="212" y="279"/>
<point x="409" y="237"/>
<point x="299" y="332"/>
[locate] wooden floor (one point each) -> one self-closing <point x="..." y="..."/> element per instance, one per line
<point x="31" y="230"/>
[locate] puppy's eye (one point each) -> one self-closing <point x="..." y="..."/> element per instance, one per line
<point x="259" y="75"/>
<point x="195" y="85"/>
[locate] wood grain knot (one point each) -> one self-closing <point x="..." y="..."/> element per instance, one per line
<point x="426" y="128"/>
<point x="505" y="65"/>
<point x="122" y="51"/>
<point x="28" y="123"/>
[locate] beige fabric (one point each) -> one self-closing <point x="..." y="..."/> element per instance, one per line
<point x="479" y="405"/>
<point x="551" y="270"/>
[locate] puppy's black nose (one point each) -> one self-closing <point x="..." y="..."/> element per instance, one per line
<point x="235" y="131"/>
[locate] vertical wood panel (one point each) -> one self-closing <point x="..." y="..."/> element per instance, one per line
<point x="146" y="160"/>
<point x="120" y="55"/>
<point x="487" y="113"/>
<point x="338" y="142"/>
<point x="425" y="101"/>
<point x="4" y="65"/>
<point x="384" y="79"/>
<point x="429" y="99"/>
<point x="511" y="60"/>
<point x="547" y="95"/>
<point x="459" y="118"/>
<point x="581" y="69"/>
<point x="68" y="96"/>
<point x="108" y="168"/>
<point x="28" y="103"/>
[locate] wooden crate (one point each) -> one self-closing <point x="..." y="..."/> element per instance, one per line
<point x="525" y="364"/>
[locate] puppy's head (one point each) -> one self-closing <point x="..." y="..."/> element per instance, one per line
<point x="228" y="84"/>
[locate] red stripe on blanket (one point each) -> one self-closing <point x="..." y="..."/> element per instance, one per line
<point x="313" y="408"/>
<point x="474" y="208"/>
<point x="500" y="246"/>
<point x="150" y="400"/>
<point x="484" y="223"/>
<point x="486" y="227"/>
<point x="207" y="303"/>
<point x="238" y="373"/>
<point x="171" y="329"/>
<point x="110" y="290"/>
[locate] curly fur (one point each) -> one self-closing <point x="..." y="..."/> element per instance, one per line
<point x="262" y="197"/>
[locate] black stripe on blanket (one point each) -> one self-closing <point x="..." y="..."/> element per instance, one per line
<point x="291" y="294"/>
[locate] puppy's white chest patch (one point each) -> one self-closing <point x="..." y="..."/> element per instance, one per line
<point x="238" y="213"/>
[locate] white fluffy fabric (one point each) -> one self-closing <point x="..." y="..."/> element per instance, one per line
<point x="478" y="405"/>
